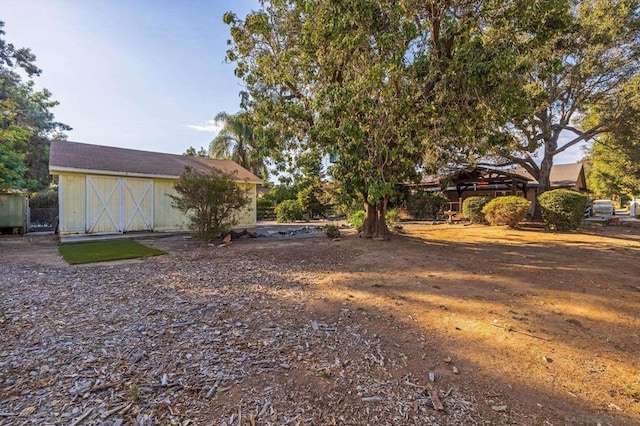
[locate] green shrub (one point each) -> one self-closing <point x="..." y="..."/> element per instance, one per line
<point x="472" y="208"/>
<point x="422" y="204"/>
<point x="356" y="220"/>
<point x="289" y="211"/>
<point x="265" y="209"/>
<point x="392" y="216"/>
<point x="332" y="231"/>
<point x="562" y="209"/>
<point x="211" y="200"/>
<point x="506" y="210"/>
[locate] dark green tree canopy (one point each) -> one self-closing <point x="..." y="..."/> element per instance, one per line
<point x="577" y="86"/>
<point x="389" y="86"/>
<point x="26" y="121"/>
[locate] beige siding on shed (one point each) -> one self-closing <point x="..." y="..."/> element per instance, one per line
<point x="166" y="218"/>
<point x="71" y="198"/>
<point x="116" y="204"/>
<point x="247" y="216"/>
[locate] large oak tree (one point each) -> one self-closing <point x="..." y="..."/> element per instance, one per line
<point x="386" y="84"/>
<point x="579" y="72"/>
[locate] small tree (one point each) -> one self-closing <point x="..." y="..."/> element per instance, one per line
<point x="211" y="200"/>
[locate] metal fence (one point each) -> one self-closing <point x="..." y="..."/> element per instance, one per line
<point x="42" y="219"/>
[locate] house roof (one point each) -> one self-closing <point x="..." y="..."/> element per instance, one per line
<point x="562" y="175"/>
<point x="81" y="157"/>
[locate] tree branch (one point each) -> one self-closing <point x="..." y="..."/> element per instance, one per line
<point x="582" y="136"/>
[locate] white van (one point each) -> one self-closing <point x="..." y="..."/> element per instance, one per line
<point x="603" y="208"/>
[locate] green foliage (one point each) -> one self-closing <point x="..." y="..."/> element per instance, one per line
<point x="613" y="162"/>
<point x="356" y="220"/>
<point x="266" y="209"/>
<point x="386" y="85"/>
<point x="562" y="209"/>
<point x="212" y="201"/>
<point x="192" y="152"/>
<point x="238" y="141"/>
<point x="134" y="392"/>
<point x="508" y="210"/>
<point x="281" y="192"/>
<point x="310" y="200"/>
<point x="44" y="199"/>
<point x="332" y="231"/>
<point x="472" y="208"/>
<point x="577" y="90"/>
<point x="423" y="204"/>
<point x="392" y="216"/>
<point x="103" y="251"/>
<point x="26" y="121"/>
<point x="289" y="211"/>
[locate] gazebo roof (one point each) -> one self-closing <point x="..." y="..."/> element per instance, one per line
<point x="475" y="175"/>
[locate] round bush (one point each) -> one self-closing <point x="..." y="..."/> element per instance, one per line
<point x="472" y="208"/>
<point x="356" y="220"/>
<point x="562" y="209"/>
<point x="508" y="210"/>
<point x="289" y="211"/>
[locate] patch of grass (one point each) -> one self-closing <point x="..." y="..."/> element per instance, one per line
<point x="134" y="392"/>
<point x="102" y="251"/>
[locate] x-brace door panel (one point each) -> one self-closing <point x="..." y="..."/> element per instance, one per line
<point x="103" y="204"/>
<point x="138" y="204"/>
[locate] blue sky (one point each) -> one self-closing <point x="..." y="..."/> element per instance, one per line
<point x="142" y="74"/>
<point x="134" y="74"/>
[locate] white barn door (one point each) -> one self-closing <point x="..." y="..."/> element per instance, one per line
<point x="137" y="204"/>
<point x="117" y="205"/>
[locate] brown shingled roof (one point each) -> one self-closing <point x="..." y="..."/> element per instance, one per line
<point x="110" y="160"/>
<point x="562" y="175"/>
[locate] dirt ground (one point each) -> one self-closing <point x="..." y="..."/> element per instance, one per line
<point x="514" y="326"/>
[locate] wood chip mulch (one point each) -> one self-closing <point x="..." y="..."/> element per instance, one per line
<point x="205" y="335"/>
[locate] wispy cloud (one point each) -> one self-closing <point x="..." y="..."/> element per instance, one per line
<point x="211" y="126"/>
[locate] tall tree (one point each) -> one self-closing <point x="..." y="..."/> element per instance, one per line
<point x="578" y="70"/>
<point x="614" y="158"/>
<point x="192" y="152"/>
<point x="382" y="81"/>
<point x="238" y="141"/>
<point x="26" y="121"/>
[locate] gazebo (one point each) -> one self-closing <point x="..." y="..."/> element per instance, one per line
<point x="476" y="180"/>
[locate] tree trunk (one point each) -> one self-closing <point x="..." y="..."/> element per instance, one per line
<point x="544" y="181"/>
<point x="375" y="224"/>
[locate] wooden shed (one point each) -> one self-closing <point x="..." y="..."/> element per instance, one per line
<point x="14" y="206"/>
<point x="108" y="190"/>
